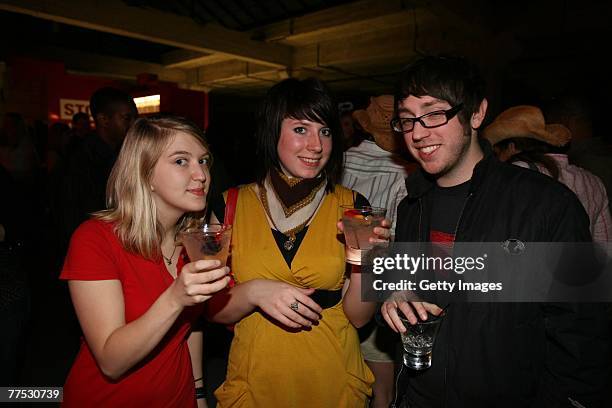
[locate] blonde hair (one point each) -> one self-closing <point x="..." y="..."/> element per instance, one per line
<point x="129" y="202"/>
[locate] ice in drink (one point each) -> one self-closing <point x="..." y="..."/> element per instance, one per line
<point x="207" y="241"/>
<point x="418" y="344"/>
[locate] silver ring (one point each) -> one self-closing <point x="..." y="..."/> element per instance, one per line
<point x="294" y="306"/>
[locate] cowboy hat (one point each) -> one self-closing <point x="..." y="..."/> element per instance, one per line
<point x="526" y="121"/>
<point x="375" y="119"/>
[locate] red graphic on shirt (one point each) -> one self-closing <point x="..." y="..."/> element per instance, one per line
<point x="439" y="237"/>
<point x="442" y="247"/>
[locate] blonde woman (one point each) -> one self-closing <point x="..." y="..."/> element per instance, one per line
<point x="134" y="293"/>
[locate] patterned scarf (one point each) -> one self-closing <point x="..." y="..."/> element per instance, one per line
<point x="291" y="202"/>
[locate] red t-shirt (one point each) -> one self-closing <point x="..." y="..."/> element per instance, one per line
<point x="162" y="379"/>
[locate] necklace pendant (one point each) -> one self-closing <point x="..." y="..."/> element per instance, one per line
<point x="169" y="261"/>
<point x="288" y="245"/>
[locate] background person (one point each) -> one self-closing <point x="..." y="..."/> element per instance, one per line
<point x="55" y="152"/>
<point x="78" y="187"/>
<point x="134" y="294"/>
<point x="18" y="153"/>
<point x="590" y="147"/>
<point x="81" y="126"/>
<point x="520" y="135"/>
<point x="373" y="169"/>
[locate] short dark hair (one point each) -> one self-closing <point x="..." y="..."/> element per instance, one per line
<point x="308" y="99"/>
<point x="80" y="116"/>
<point x="105" y="100"/>
<point x="449" y="78"/>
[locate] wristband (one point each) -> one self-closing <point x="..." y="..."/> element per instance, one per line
<point x="199" y="393"/>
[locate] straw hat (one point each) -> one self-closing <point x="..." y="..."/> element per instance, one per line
<point x="376" y="118"/>
<point x="526" y="121"/>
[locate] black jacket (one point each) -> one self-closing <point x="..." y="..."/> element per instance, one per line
<point x="510" y="354"/>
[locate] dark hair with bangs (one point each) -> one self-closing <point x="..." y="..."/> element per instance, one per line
<point x="308" y="99"/>
<point x="449" y="78"/>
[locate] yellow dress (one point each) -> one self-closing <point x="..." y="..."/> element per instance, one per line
<point x="270" y="366"/>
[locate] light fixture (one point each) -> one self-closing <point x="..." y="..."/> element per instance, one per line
<point x="147" y="104"/>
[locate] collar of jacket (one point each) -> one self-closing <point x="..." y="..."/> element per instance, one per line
<point x="419" y="182"/>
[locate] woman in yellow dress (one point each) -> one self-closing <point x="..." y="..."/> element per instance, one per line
<point x="295" y="309"/>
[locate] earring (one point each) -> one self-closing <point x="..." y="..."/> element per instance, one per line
<point x="152" y="188"/>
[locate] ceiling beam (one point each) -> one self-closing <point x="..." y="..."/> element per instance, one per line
<point x="342" y="21"/>
<point x="103" y="65"/>
<point x="228" y="71"/>
<point x="188" y="59"/>
<point x="431" y="35"/>
<point x="347" y="19"/>
<point x="115" y="17"/>
<point x="383" y="46"/>
<point x="365" y="16"/>
<point x="363" y="55"/>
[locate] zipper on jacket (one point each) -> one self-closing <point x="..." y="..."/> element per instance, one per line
<point x="420" y="218"/>
<point x="461" y="213"/>
<point x="396" y="401"/>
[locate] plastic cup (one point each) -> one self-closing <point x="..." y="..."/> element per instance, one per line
<point x="207" y="241"/>
<point x="359" y="224"/>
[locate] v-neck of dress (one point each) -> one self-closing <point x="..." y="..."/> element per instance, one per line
<point x="270" y="235"/>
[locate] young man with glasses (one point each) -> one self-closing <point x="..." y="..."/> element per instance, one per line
<point x="488" y="354"/>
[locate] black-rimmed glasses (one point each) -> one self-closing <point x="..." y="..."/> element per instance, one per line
<point x="429" y="120"/>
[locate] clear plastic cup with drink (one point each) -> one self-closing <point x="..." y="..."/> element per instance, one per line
<point x="359" y="224"/>
<point x="207" y="241"/>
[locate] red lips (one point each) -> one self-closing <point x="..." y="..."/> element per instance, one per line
<point x="197" y="191"/>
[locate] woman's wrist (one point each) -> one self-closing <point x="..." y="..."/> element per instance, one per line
<point x="198" y="382"/>
<point x="170" y="299"/>
<point x="251" y="289"/>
